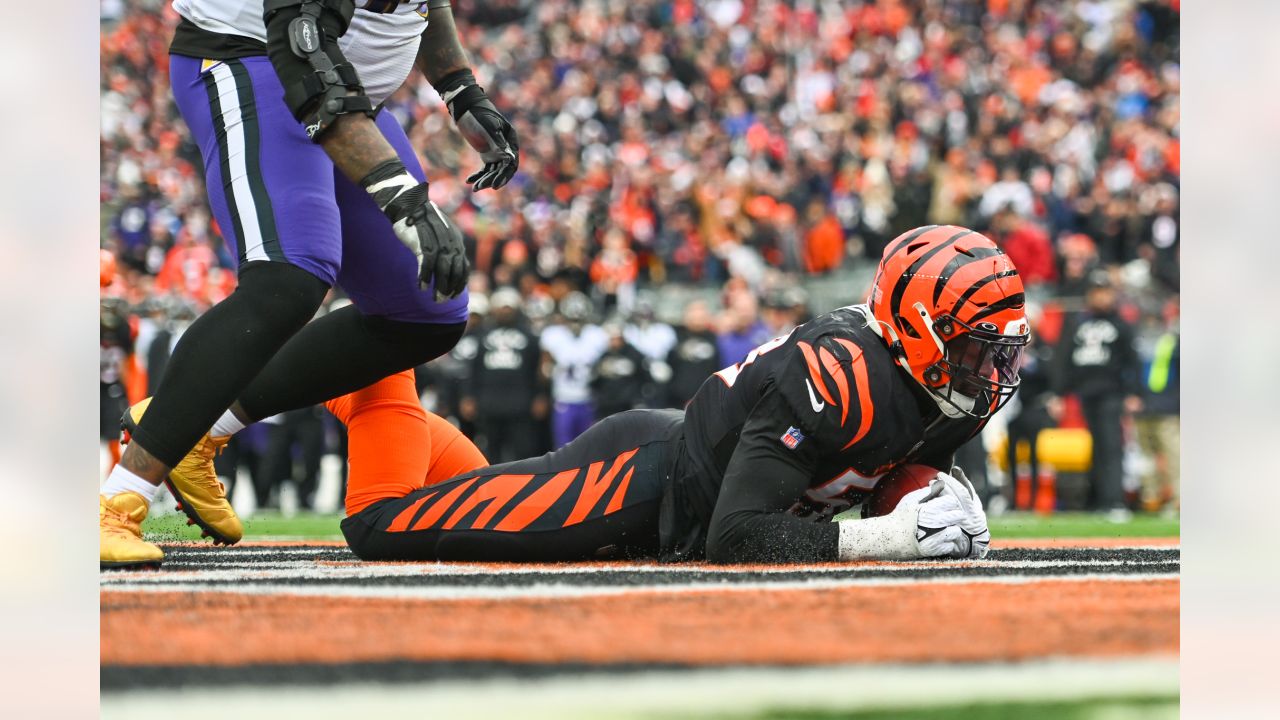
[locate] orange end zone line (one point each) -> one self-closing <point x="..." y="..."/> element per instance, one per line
<point x="802" y="627"/>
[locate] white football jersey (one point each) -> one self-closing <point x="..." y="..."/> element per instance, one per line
<point x="573" y="357"/>
<point x="381" y="46"/>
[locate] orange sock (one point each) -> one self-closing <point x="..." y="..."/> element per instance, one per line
<point x="396" y="447"/>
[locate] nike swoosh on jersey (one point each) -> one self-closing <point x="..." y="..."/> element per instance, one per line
<point x="817" y="404"/>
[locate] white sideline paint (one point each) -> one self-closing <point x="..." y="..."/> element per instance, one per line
<point x="553" y="591"/>
<point x="691" y="692"/>
<point x="304" y="569"/>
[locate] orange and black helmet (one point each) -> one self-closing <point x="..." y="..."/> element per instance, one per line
<point x="954" y="309"/>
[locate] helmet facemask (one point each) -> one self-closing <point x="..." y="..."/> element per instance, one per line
<point x="978" y="372"/>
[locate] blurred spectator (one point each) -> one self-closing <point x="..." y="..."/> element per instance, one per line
<point x="505" y="394"/>
<point x="1096" y="360"/>
<point x="116" y="345"/>
<point x="614" y="272"/>
<point x="1027" y="245"/>
<point x="742" y="329"/>
<point x="295" y="443"/>
<point x="1160" y="234"/>
<point x="695" y="357"/>
<point x="620" y="376"/>
<point x="572" y="347"/>
<point x="1158" y="423"/>
<point x="1035" y="409"/>
<point x="451" y="374"/>
<point x="654" y="339"/>
<point x="824" y="243"/>
<point x="650" y="336"/>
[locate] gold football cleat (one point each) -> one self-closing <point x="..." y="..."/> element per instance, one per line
<point x="195" y="485"/>
<point x="120" y="543"/>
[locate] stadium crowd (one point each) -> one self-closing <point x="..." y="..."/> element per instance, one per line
<point x="746" y="146"/>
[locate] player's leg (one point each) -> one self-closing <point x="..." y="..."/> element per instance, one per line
<point x="396" y="447"/>
<point x="271" y="190"/>
<point x="602" y="490"/>
<point x="392" y="326"/>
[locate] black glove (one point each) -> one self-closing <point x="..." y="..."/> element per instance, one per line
<point x="484" y="127"/>
<point x="422" y="227"/>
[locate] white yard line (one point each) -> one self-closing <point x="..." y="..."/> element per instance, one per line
<point x="308" y="570"/>
<point x="691" y="692"/>
<point x="550" y="591"/>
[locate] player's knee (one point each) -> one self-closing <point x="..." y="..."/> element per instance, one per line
<point x="415" y="343"/>
<point x="284" y="296"/>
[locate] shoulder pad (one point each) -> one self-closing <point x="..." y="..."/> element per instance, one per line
<point x="825" y="382"/>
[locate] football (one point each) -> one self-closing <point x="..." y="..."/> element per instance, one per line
<point x="893" y="486"/>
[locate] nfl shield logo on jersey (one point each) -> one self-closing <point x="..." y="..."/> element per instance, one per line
<point x="793" y="438"/>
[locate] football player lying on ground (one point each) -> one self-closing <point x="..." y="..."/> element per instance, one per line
<point x="767" y="452"/>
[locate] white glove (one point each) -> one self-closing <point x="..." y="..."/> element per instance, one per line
<point x="952" y="522"/>
<point x="888" y="537"/>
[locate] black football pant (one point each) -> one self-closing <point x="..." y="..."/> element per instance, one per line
<point x="1102" y="414"/>
<point x="596" y="497"/>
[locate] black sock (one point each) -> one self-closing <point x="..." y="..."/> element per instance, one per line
<point x="222" y="351"/>
<point x="340" y="353"/>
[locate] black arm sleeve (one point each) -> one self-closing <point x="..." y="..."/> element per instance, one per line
<point x="763" y="480"/>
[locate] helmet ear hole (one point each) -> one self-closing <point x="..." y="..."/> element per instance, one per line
<point x="907" y="328"/>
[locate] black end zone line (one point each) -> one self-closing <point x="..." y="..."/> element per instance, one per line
<point x="115" y="678"/>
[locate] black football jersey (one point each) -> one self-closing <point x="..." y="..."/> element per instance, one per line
<point x="805" y="425"/>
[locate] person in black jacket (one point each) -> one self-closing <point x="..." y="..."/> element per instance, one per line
<point x="694" y="357"/>
<point x="620" y="377"/>
<point x="1037" y="410"/>
<point x="1097" y="361"/>
<point x="506" y="390"/>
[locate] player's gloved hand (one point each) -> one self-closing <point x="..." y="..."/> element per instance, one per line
<point x="422" y="227"/>
<point x="484" y="128"/>
<point x="952" y="522"/>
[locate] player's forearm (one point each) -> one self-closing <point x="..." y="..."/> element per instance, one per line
<point x="770" y="537"/>
<point x="356" y="146"/>
<point x="440" y="52"/>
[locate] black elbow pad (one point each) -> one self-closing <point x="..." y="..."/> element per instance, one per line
<point x="302" y="43"/>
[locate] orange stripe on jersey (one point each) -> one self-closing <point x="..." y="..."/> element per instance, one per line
<point x="402" y="520"/>
<point x="842" y="384"/>
<point x="615" y="503"/>
<point x="532" y="507"/>
<point x="592" y="491"/>
<point x="498" y="489"/>
<point x="815" y="370"/>
<point x="441" y="506"/>
<point x="859" y="367"/>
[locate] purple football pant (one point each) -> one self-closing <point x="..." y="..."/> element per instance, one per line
<point x="277" y="196"/>
<point x="569" y="420"/>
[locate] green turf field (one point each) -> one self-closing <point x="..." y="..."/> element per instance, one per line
<point x="1111" y="709"/>
<point x="309" y="526"/>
